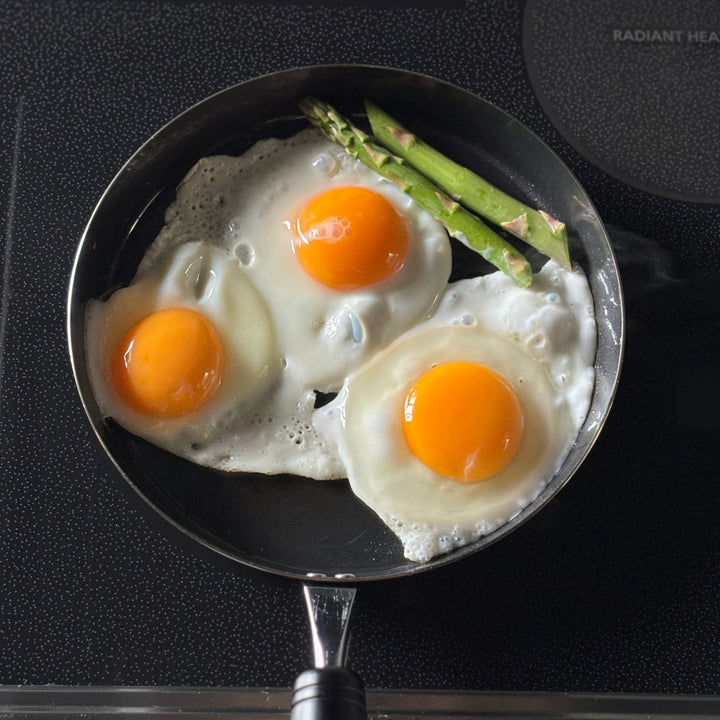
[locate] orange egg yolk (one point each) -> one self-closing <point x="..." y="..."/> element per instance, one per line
<point x="350" y="237"/>
<point x="169" y="364"/>
<point x="463" y="420"/>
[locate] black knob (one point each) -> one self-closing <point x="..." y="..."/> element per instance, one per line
<point x="331" y="693"/>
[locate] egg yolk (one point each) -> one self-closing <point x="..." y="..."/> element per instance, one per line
<point x="350" y="237"/>
<point x="463" y="420"/>
<point x="169" y="363"/>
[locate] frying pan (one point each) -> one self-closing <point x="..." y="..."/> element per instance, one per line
<point x="327" y="535"/>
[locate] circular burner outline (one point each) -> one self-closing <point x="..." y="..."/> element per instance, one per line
<point x="580" y="142"/>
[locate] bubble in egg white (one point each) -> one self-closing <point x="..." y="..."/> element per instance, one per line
<point x="245" y="254"/>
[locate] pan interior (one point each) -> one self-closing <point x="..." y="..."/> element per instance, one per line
<point x="289" y="525"/>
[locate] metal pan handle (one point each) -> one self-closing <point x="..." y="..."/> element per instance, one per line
<point x="329" y="691"/>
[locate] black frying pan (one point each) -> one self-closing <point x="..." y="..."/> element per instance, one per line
<point x="291" y="526"/>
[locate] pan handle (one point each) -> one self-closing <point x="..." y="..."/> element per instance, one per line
<point x="329" y="691"/>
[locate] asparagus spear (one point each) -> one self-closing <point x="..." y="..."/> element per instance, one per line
<point x="535" y="227"/>
<point x="459" y="222"/>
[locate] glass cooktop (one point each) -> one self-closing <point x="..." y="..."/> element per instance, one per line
<point x="612" y="589"/>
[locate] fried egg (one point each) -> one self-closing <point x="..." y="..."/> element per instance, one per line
<point x="456" y="426"/>
<point x="176" y="354"/>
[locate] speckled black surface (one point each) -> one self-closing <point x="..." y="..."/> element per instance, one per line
<point x="614" y="587"/>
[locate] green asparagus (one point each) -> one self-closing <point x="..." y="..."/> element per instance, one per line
<point x="537" y="228"/>
<point x="457" y="220"/>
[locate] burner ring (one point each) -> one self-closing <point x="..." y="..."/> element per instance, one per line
<point x="633" y="87"/>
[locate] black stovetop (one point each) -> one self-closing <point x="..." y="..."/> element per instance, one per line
<point x="614" y="587"/>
